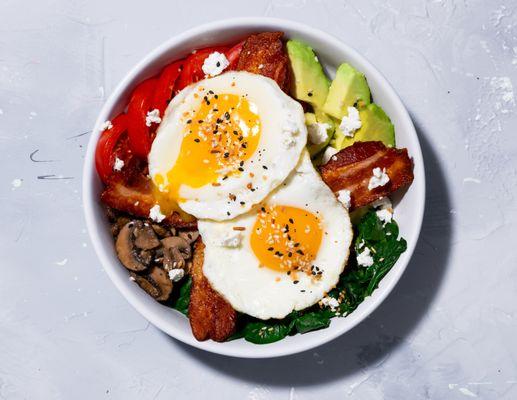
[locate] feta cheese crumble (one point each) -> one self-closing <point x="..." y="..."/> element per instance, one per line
<point x="384" y="209"/>
<point x="328" y="153"/>
<point x="379" y="178"/>
<point x="344" y="197"/>
<point x="330" y="302"/>
<point x="289" y="130"/>
<point x="351" y="122"/>
<point x="119" y="164"/>
<point x="16" y="183"/>
<point x="231" y="239"/>
<point x="365" y="258"/>
<point x="383" y="203"/>
<point x="153" y="116"/>
<point x="106" y="125"/>
<point x="318" y="132"/>
<point x="156" y="214"/>
<point x="215" y="63"/>
<point x="176" y="274"/>
<point x="385" y="215"/>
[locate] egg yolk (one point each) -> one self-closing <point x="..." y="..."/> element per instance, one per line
<point x="218" y="137"/>
<point x="286" y="239"/>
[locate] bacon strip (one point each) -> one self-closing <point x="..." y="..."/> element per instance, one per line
<point x="130" y="191"/>
<point x="265" y="54"/>
<point x="351" y="169"/>
<point x="210" y="315"/>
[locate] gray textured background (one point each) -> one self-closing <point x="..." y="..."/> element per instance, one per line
<point x="448" y="331"/>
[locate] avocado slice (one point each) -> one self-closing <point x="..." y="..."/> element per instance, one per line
<point x="348" y="88"/>
<point x="322" y="118"/>
<point x="375" y="126"/>
<point x="310" y="82"/>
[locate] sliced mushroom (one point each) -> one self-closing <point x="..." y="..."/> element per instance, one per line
<point x="144" y="236"/>
<point x="147" y="285"/>
<point x="162" y="282"/>
<point x="118" y="224"/>
<point x="189" y="236"/>
<point x="128" y="253"/>
<point x="161" y="231"/>
<point x="175" y="251"/>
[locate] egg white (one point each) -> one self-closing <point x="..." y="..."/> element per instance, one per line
<point x="235" y="272"/>
<point x="283" y="137"/>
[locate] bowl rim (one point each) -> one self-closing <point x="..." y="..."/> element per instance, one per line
<point x="154" y="317"/>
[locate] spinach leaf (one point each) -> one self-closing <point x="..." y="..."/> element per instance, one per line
<point x="181" y="303"/>
<point x="312" y="321"/>
<point x="263" y="332"/>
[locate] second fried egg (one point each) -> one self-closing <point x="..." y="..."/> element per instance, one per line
<point x="283" y="255"/>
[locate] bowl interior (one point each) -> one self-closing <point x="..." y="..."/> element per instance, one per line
<point x="331" y="52"/>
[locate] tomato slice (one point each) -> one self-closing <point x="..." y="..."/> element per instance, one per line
<point x="105" y="150"/>
<point x="233" y="55"/>
<point x="140" y="135"/>
<point x="165" y="85"/>
<point x="193" y="67"/>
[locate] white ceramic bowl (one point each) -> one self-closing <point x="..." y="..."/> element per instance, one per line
<point x="331" y="52"/>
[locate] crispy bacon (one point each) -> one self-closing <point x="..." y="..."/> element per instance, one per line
<point x="351" y="169"/>
<point x="265" y="54"/>
<point x="210" y="315"/>
<point x="130" y="191"/>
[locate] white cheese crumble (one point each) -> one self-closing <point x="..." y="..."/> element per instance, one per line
<point x="383" y="203"/>
<point x="288" y="142"/>
<point x="231" y="239"/>
<point x="16" y="183"/>
<point x="351" y="122"/>
<point x="318" y="132"/>
<point x="153" y="116"/>
<point x="176" y="274"/>
<point x="106" y="125"/>
<point x="328" y="153"/>
<point x="385" y="215"/>
<point x="156" y="214"/>
<point x="365" y="258"/>
<point x="384" y="209"/>
<point x="215" y="63"/>
<point x="344" y="197"/>
<point x="330" y="302"/>
<point x="62" y="262"/>
<point x="118" y="165"/>
<point x="290" y="130"/>
<point x="379" y="178"/>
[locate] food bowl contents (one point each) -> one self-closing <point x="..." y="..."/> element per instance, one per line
<point x="249" y="191"/>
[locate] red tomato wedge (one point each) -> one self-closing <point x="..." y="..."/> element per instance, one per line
<point x="165" y="85"/>
<point x="193" y="67"/>
<point x="233" y="55"/>
<point x="140" y="135"/>
<point x="105" y="151"/>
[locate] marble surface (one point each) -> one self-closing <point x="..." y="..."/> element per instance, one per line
<point x="448" y="331"/>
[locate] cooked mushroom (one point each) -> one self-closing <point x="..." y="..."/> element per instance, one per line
<point x="118" y="224"/>
<point x="175" y="251"/>
<point x="127" y="252"/>
<point x="144" y="235"/>
<point x="189" y="236"/>
<point x="162" y="282"/>
<point x="161" y="231"/>
<point x="146" y="285"/>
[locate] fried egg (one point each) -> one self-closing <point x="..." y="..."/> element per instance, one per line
<point x="224" y="144"/>
<point x="283" y="255"/>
